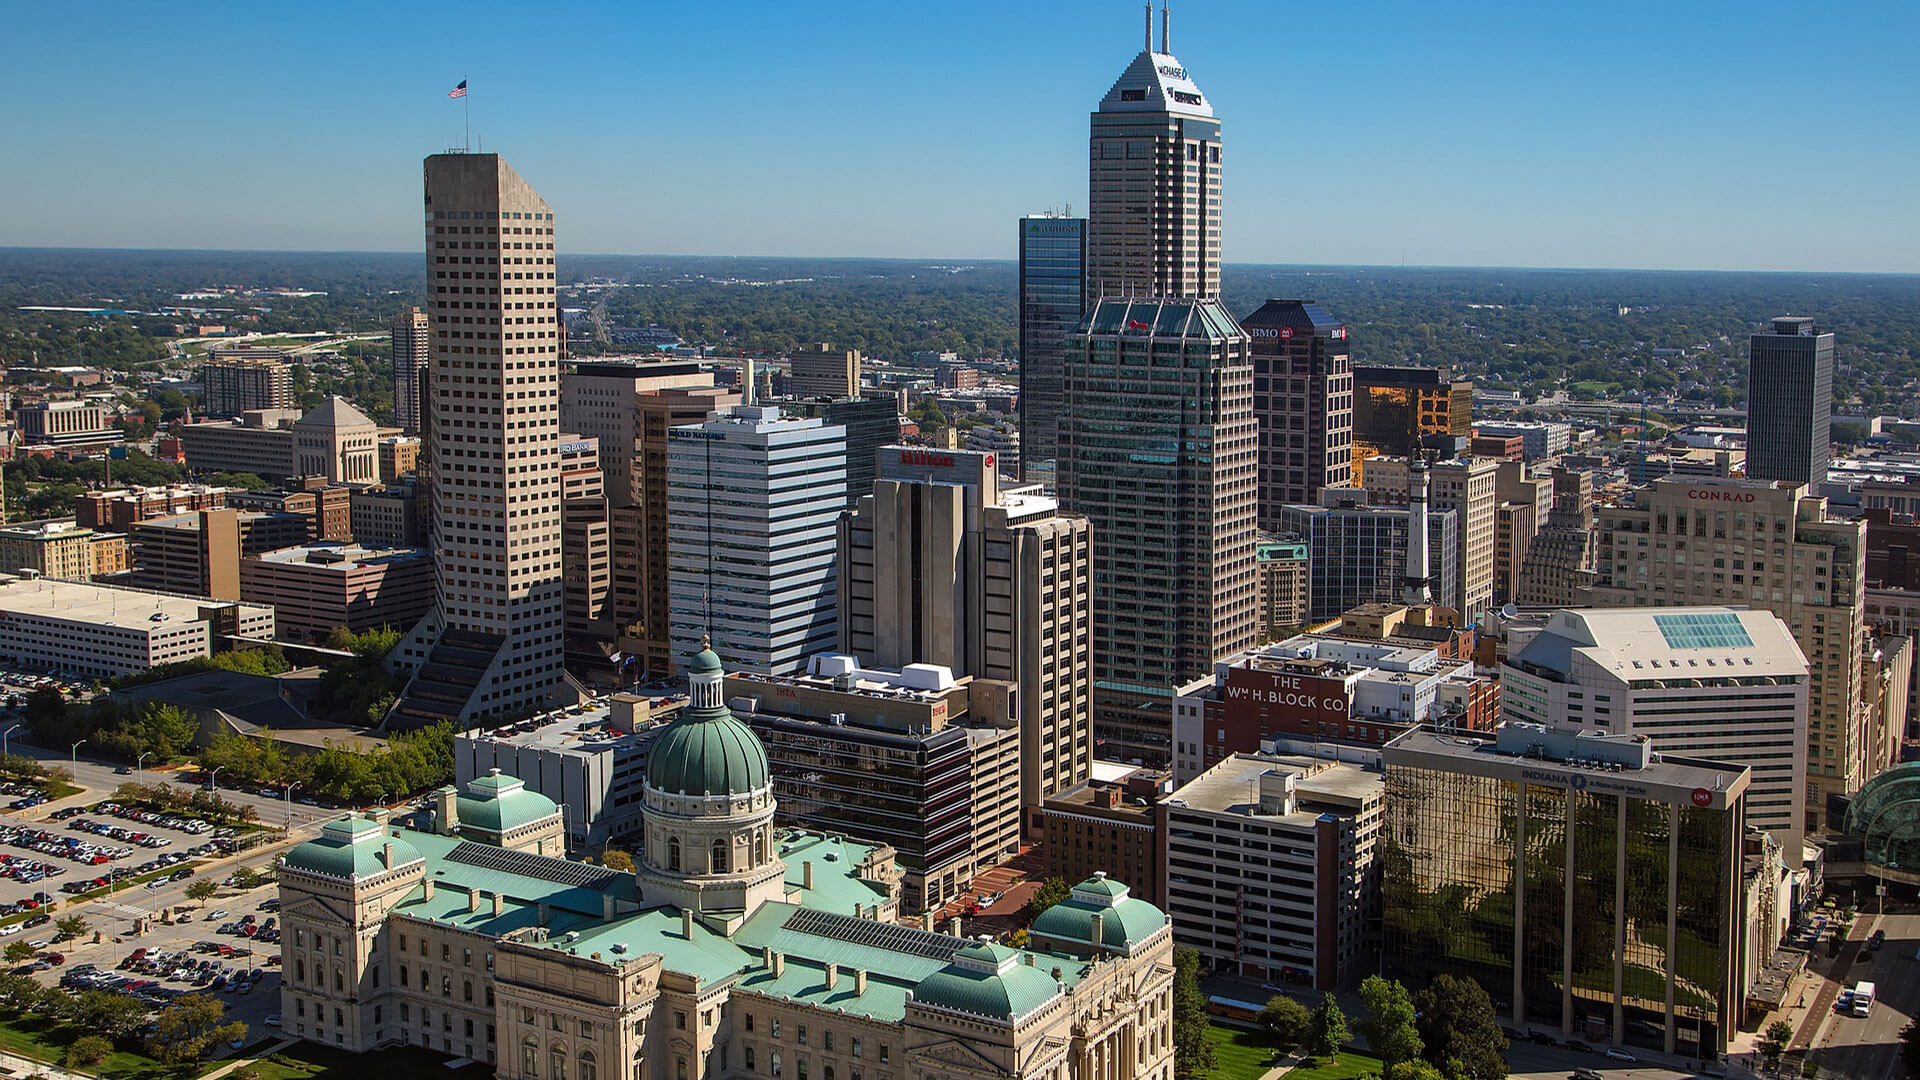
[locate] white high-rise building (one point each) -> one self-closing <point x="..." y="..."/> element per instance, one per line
<point x="492" y="645"/>
<point x="753" y="509"/>
<point x="1715" y="683"/>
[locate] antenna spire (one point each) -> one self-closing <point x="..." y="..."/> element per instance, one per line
<point x="1149" y="44"/>
<point x="1166" y="28"/>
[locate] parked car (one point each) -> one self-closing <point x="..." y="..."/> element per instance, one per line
<point x="1618" y="1054"/>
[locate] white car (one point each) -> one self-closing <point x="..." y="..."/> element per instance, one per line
<point x="9" y="930"/>
<point x="1618" y="1054"/>
<point x="217" y="914"/>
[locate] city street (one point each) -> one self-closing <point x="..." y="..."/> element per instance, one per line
<point x="1868" y="1049"/>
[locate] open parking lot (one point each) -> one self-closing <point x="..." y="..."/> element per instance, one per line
<point x="63" y="854"/>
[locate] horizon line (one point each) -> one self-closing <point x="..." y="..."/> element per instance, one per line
<point x="952" y="260"/>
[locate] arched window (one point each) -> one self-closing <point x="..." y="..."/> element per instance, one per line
<point x="720" y="856"/>
<point x="759" y="848"/>
<point x="530" y="1057"/>
<point x="588" y="1071"/>
<point x="673" y="853"/>
<point x="557" y="1064"/>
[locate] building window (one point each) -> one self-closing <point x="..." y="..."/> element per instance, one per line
<point x="749" y="1053"/>
<point x="530" y="1058"/>
<point x="673" y="853"/>
<point x="589" y="1069"/>
<point x="853" y="1046"/>
<point x="586" y="1029"/>
<point x="557" y="1064"/>
<point x="679" y="1021"/>
<point x="800" y="1035"/>
<point x="773" y="1027"/>
<point x="773" y="1063"/>
<point x="749" y="1023"/>
<point x="883" y="1053"/>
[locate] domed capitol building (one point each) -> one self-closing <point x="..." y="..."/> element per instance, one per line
<point x="735" y="949"/>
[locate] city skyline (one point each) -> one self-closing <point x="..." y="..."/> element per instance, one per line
<point x="1463" y="137"/>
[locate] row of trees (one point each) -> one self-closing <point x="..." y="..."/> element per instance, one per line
<point x="1447" y="1031"/>
<point x="412" y="761"/>
<point x="185" y="1030"/>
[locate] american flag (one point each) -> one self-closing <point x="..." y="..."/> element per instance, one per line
<point x="459" y="91"/>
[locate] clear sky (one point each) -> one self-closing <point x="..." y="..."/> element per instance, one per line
<point x="1683" y="133"/>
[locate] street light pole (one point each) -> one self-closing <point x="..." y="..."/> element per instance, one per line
<point x="4" y="735"/>
<point x="290" y="786"/>
<point x="73" y="754"/>
<point x="213" y="779"/>
<point x="141" y="764"/>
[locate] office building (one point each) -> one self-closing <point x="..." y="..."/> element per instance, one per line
<point x="823" y="372"/>
<point x="1157" y="450"/>
<point x="872" y="423"/>
<point x="399" y="456"/>
<point x="1053" y="299"/>
<point x="259" y="441"/>
<point x="105" y="632"/>
<point x="199" y="554"/>
<point x="122" y="507"/>
<point x="1000" y="440"/>
<point x="734" y="950"/>
<point x="1317" y="688"/>
<point x="629" y="407"/>
<point x="1153" y="164"/>
<point x="1790" y="403"/>
<point x="1398" y="410"/>
<point x="1108" y="825"/>
<point x="1283" y="570"/>
<point x="1700" y="682"/>
<point x="915" y="759"/>
<point x="585" y="548"/>
<point x="1538" y="439"/>
<point x="61" y="549"/>
<point x="492" y="644"/>
<point x="328" y="509"/>
<point x="412" y="352"/>
<point x="1524" y="503"/>
<point x="1470" y="488"/>
<point x="1770" y="546"/>
<point x="66" y="423"/>
<point x="1273" y="871"/>
<point x="236" y="380"/>
<point x="753" y="502"/>
<point x="1357" y="554"/>
<point x="1593" y="887"/>
<point x="317" y="587"/>
<point x="1559" y="567"/>
<point x="940" y="565"/>
<point x="1302" y="401"/>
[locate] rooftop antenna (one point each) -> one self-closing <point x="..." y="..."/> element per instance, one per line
<point x="1166" y="28"/>
<point x="1149" y="45"/>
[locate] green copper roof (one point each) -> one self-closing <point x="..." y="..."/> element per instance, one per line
<point x="990" y="981"/>
<point x="1124" y="921"/>
<point x="707" y="752"/>
<point x="350" y="849"/>
<point x="704" y="662"/>
<point x="499" y="804"/>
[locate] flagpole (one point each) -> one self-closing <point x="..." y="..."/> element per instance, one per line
<point x="466" y="109"/>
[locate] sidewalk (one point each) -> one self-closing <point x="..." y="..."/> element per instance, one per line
<point x="236" y="1063"/>
<point x="15" y="1065"/>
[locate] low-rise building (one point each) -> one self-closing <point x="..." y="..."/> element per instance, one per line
<point x="1283" y="585"/>
<point x="1271" y="868"/>
<point x="259" y="442"/>
<point x="105" y="631"/>
<point x="122" y="507"/>
<point x="66" y="423"/>
<point x="317" y="587"/>
<point x="199" y="554"/>
<point x="388" y="515"/>
<point x="61" y="549"/>
<point x="1108" y="826"/>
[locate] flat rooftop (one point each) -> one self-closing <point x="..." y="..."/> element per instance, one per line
<point x="343" y="557"/>
<point x="585" y="728"/>
<point x="1233" y="786"/>
<point x="1667" y="778"/>
<point x="103" y="605"/>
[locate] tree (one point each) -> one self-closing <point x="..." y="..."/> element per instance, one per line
<point x="1389" y="1026"/>
<point x="88" y="1050"/>
<point x="1192" y="1051"/>
<point x="189" y="1027"/>
<point x="246" y="878"/>
<point x="1286" y="1020"/>
<point x="1456" y="1024"/>
<point x="116" y="1016"/>
<point x="615" y="859"/>
<point x="19" y="952"/>
<point x="1327" y="1032"/>
<point x="1774" y="1042"/>
<point x="18" y="991"/>
<point x="1054" y="890"/>
<point x="46" y="708"/>
<point x="1416" y="1069"/>
<point x="202" y="890"/>
<point x="1910" y="1049"/>
<point x="72" y="926"/>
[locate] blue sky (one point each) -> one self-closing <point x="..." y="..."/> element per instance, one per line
<point x="1688" y="133"/>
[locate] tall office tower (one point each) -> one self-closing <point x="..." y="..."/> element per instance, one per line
<point x="410" y="344"/>
<point x="1153" y="164"/>
<point x="1790" y="403"/>
<point x="872" y="423"/>
<point x="1767" y="545"/>
<point x="823" y="371"/>
<point x="1397" y="410"/>
<point x="1053" y="299"/>
<point x="940" y="565"/>
<point x="585" y="551"/>
<point x="1559" y="566"/>
<point x="1303" y="401"/>
<point x="1470" y="488"/>
<point x="492" y="645"/>
<point x="1718" y="683"/>
<point x="1523" y="505"/>
<point x="1157" y="449"/>
<point x="629" y="408"/>
<point x="753" y="504"/>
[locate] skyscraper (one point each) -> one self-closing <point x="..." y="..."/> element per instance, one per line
<point x="753" y="504"/>
<point x="1153" y="226"/>
<point x="1303" y="402"/>
<point x="1053" y="299"/>
<point x="1790" y="403"/>
<point x="410" y="345"/>
<point x="492" y="644"/>
<point x="1157" y="449"/>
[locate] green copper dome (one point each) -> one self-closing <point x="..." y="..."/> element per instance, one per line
<point x="707" y="751"/>
<point x="498" y="803"/>
<point x="987" y="980"/>
<point x="350" y="849"/>
<point x="1125" y="922"/>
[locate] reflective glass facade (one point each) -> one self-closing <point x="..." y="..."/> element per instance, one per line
<point x="1053" y="300"/>
<point x="1597" y="913"/>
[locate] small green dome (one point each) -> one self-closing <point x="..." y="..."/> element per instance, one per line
<point x="350" y="849"/>
<point x="987" y="980"/>
<point x="707" y="750"/>
<point x="704" y="662"/>
<point x="497" y="803"/>
<point x="1124" y="921"/>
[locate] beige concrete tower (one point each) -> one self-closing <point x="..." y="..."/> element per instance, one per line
<point x="410" y="357"/>
<point x="492" y="645"/>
